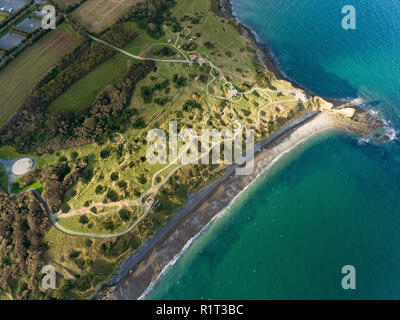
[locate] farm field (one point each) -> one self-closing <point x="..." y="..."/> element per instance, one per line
<point x="84" y="91"/>
<point x="19" y="77"/>
<point x="67" y="3"/>
<point x="153" y="113"/>
<point x="118" y="182"/>
<point x="98" y="15"/>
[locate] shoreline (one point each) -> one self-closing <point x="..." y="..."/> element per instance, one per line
<point x="226" y="209"/>
<point x="265" y="56"/>
<point x="141" y="270"/>
<point x="139" y="273"/>
<point x="264" y="53"/>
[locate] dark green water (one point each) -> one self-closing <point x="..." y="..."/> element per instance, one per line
<point x="332" y="201"/>
<point x="328" y="204"/>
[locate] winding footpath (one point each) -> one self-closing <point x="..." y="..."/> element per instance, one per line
<point x="150" y="194"/>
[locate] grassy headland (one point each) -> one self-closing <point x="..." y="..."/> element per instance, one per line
<point x="91" y="149"/>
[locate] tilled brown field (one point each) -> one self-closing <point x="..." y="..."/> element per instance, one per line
<point x="19" y="77"/>
<point x="97" y="15"/>
<point x="67" y="3"/>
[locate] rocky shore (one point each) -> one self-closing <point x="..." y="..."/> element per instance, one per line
<point x="142" y="269"/>
<point x="146" y="265"/>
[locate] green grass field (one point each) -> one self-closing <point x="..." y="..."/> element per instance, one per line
<point x="36" y="185"/>
<point x="19" y="77"/>
<point x="232" y="55"/>
<point x="95" y="223"/>
<point x="84" y="91"/>
<point x="142" y="42"/>
<point x="8" y="153"/>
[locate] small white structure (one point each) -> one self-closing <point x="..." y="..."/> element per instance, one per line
<point x="301" y="96"/>
<point x="22" y="166"/>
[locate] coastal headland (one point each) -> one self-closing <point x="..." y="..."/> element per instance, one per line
<point x="139" y="272"/>
<point x="110" y="220"/>
<point x="143" y="269"/>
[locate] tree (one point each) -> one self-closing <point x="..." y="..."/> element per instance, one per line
<point x="100" y="189"/>
<point x="209" y="45"/>
<point x="109" y="224"/>
<point x="83" y="219"/>
<point x="114" y="176"/>
<point x="124" y="214"/>
<point x="112" y="196"/>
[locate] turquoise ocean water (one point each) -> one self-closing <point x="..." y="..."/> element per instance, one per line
<point x="331" y="202"/>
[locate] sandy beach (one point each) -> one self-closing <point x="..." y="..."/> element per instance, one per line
<point x="170" y="243"/>
<point x="142" y="269"/>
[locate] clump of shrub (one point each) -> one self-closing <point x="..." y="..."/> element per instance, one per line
<point x="104" y="153"/>
<point x="74" y="254"/>
<point x="190" y="105"/>
<point x="122" y="184"/>
<point x="180" y="81"/>
<point x="124" y="214"/>
<point x="74" y="155"/>
<point x="83" y="219"/>
<point x="100" y="189"/>
<point x="112" y="196"/>
<point x="209" y="45"/>
<point x="164" y="51"/>
<point x="114" y="176"/>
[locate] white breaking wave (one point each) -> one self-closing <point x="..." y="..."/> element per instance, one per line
<point x="390" y="132"/>
<point x="363" y="141"/>
<point x="358" y="101"/>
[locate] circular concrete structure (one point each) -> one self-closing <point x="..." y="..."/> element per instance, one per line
<point x="22" y="166"/>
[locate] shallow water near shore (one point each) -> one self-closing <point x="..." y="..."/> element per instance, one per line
<point x="289" y="235"/>
<point x="332" y="201"/>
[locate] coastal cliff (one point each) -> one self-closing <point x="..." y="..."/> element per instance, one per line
<point x="138" y="273"/>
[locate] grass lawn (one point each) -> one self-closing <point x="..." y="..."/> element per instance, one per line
<point x="8" y="153"/>
<point x="83" y="92"/>
<point x="19" y="77"/>
<point x="141" y="45"/>
<point x="123" y="168"/>
<point x="96" y="223"/>
<point x="39" y="187"/>
<point x="15" y="188"/>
